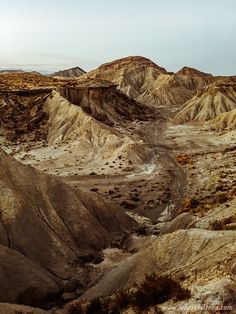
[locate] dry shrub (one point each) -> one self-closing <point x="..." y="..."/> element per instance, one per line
<point x="188" y="204"/>
<point x="156" y="290"/>
<point x="220" y="224"/>
<point x="221" y="197"/>
<point x="183" y="160"/>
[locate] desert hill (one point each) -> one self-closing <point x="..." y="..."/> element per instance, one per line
<point x="72" y="73"/>
<point x="19" y="71"/>
<point x="150" y="84"/>
<point x="130" y="62"/>
<point x="104" y="102"/>
<point x="132" y="75"/>
<point x="38" y="232"/>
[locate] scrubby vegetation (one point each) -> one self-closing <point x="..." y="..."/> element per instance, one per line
<point x="183" y="160"/>
<point x="152" y="291"/>
<point x="188" y="204"/>
<point x="221" y="197"/>
<point x="222" y="223"/>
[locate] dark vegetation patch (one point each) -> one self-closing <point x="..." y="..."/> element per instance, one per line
<point x="128" y="205"/>
<point x="222" y="223"/>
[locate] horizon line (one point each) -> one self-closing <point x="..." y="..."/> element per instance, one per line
<point x="50" y="68"/>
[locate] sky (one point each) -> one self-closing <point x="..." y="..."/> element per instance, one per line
<point x="48" y="35"/>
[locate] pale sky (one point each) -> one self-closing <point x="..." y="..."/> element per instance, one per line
<point x="57" y="34"/>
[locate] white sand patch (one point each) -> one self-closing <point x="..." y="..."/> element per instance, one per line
<point x="145" y="169"/>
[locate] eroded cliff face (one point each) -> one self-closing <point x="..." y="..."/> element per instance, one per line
<point x="183" y="253"/>
<point x="54" y="130"/>
<point x="104" y="102"/>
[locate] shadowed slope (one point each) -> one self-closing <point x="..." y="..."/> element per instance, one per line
<point x="51" y="223"/>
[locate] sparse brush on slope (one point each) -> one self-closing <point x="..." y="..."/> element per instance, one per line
<point x="152" y="291"/>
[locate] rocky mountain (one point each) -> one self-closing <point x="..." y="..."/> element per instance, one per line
<point x="72" y="72"/>
<point x="117" y="191"/>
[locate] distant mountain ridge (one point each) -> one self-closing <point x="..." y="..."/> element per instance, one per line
<point x="10" y="70"/>
<point x="72" y="72"/>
